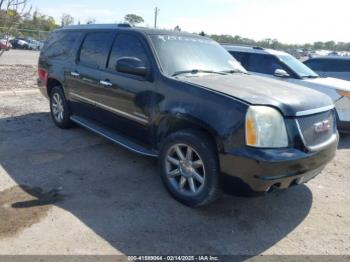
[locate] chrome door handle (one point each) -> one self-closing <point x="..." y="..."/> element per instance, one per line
<point x="74" y="74"/>
<point x="106" y="83"/>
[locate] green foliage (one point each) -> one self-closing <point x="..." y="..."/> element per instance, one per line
<point x="275" y="44"/>
<point x="133" y="19"/>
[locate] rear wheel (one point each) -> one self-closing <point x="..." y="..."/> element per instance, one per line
<point x="60" y="111"/>
<point x="189" y="168"/>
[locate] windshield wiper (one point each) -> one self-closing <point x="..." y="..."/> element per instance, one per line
<point x="232" y="72"/>
<point x="197" y="71"/>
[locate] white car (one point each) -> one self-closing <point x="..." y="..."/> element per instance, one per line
<point x="331" y="66"/>
<point x="280" y="65"/>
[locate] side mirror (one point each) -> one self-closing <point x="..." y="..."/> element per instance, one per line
<point x="281" y="73"/>
<point x="131" y="65"/>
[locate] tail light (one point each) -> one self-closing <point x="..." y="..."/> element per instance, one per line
<point x="42" y="75"/>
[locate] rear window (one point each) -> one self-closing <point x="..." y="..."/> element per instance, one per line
<point x="59" y="44"/>
<point x="95" y="49"/>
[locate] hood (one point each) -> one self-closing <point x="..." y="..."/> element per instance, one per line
<point x="330" y="82"/>
<point x="290" y="99"/>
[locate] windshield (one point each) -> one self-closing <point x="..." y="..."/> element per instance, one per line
<point x="298" y="67"/>
<point x="186" y="54"/>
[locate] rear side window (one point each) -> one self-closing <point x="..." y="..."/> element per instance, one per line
<point x="60" y="44"/>
<point x="126" y="45"/>
<point x="264" y="64"/>
<point x="95" y="49"/>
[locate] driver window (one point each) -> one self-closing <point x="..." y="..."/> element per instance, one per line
<point x="126" y="45"/>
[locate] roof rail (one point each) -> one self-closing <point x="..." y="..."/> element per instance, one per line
<point x="258" y="48"/>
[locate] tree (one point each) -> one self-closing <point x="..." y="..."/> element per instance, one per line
<point x="91" y="21"/>
<point x="133" y="19"/>
<point x="12" y="12"/>
<point x="67" y="20"/>
<point x="177" y="28"/>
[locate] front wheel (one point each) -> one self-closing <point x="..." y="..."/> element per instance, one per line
<point x="189" y="168"/>
<point x="60" y="111"/>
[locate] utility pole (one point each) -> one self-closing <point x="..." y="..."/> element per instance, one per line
<point x="156" y="13"/>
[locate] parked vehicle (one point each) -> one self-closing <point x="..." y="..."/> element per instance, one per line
<point x="282" y="66"/>
<point x="183" y="99"/>
<point x="331" y="66"/>
<point x="5" y="44"/>
<point x="20" y="44"/>
<point x="26" y="44"/>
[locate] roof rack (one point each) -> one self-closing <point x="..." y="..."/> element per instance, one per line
<point x="258" y="48"/>
<point x="98" y="26"/>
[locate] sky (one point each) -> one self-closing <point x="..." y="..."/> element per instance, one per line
<point x="289" y="21"/>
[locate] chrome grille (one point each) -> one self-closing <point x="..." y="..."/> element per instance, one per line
<point x="307" y="128"/>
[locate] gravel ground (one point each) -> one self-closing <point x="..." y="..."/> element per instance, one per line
<point x="18" y="77"/>
<point x="72" y="192"/>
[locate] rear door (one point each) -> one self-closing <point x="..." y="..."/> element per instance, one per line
<point x="83" y="81"/>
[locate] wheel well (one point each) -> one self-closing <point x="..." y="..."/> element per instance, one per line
<point x="171" y="125"/>
<point x="51" y="83"/>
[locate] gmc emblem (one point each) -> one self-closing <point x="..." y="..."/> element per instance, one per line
<point x="322" y="126"/>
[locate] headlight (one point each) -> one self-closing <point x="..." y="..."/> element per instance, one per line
<point x="344" y="93"/>
<point x="265" y="127"/>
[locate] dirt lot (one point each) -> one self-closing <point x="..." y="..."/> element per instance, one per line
<point x="72" y="192"/>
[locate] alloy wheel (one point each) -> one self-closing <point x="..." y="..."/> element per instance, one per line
<point x="185" y="169"/>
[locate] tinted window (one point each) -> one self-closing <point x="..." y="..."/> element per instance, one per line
<point x="59" y="44"/>
<point x="265" y="64"/>
<point x="95" y="49"/>
<point x="314" y="65"/>
<point x="336" y="65"/>
<point x="240" y="57"/>
<point x="126" y="45"/>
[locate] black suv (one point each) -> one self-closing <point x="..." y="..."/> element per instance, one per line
<point x="184" y="99"/>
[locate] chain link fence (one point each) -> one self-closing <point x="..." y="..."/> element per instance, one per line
<point x="25" y="33"/>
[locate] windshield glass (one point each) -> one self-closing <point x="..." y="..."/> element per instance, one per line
<point x="298" y="67"/>
<point x="196" y="54"/>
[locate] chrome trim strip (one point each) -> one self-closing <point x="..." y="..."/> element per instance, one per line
<point x="323" y="145"/>
<point x="314" y="111"/>
<point x="108" y="108"/>
<point x="110" y="138"/>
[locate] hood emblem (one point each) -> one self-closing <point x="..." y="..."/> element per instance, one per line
<point x="322" y="126"/>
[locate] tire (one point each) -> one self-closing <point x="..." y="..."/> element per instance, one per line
<point x="192" y="179"/>
<point x="60" y="111"/>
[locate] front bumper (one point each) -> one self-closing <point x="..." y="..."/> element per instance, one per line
<point x="263" y="169"/>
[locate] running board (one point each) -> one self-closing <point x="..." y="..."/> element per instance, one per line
<point x="113" y="136"/>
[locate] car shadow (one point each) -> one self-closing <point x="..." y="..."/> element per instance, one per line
<point x="119" y="195"/>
